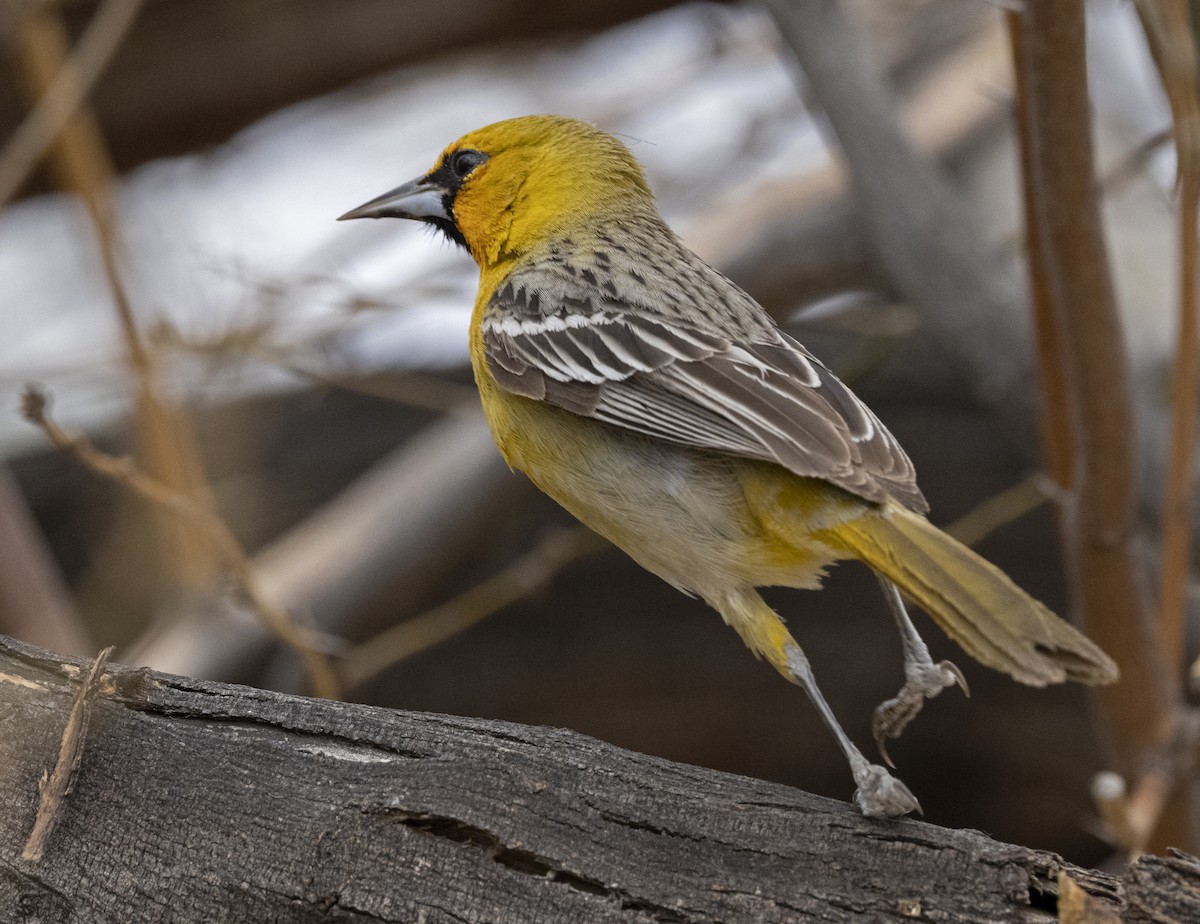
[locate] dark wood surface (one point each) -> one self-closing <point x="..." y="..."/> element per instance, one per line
<point x="199" y="801"/>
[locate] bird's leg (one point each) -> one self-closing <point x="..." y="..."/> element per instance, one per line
<point x="922" y="678"/>
<point x="879" y="793"/>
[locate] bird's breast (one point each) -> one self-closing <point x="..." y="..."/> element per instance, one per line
<point x="680" y="513"/>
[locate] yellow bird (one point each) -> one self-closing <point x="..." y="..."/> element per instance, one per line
<point x="662" y="406"/>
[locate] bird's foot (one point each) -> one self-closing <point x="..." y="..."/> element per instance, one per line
<point x="881" y="795"/>
<point x="922" y="682"/>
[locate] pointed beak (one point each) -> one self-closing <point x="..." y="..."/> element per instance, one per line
<point x="420" y="198"/>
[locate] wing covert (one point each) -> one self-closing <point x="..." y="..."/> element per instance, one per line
<point x="749" y="390"/>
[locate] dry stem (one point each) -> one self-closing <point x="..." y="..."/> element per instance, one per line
<point x="66" y="94"/>
<point x="998" y="510"/>
<point x="1054" y="418"/>
<point x="83" y="166"/>
<point x="1087" y="351"/>
<point x="1169" y="32"/>
<point x="204" y="522"/>
<point x="55" y="785"/>
<point x="521" y="578"/>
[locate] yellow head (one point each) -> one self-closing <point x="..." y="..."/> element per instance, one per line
<point x="512" y="186"/>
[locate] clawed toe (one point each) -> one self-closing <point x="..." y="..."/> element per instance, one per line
<point x="881" y="795"/>
<point x="892" y="716"/>
<point x="890" y="719"/>
<point x="951" y="675"/>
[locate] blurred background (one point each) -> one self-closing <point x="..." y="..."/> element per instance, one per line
<point x="333" y="517"/>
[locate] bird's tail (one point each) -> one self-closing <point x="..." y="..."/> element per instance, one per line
<point x="973" y="601"/>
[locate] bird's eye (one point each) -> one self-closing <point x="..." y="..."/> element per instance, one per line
<point x="463" y="162"/>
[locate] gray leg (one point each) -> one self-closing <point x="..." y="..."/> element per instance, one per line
<point x="922" y="678"/>
<point x="879" y="793"/>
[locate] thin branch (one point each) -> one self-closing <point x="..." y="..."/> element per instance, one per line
<point x="800" y="237"/>
<point x="404" y="386"/>
<point x="1134" y="162"/>
<point x="1054" y="417"/>
<point x="55" y="785"/>
<point x="919" y="229"/>
<point x="522" y="578"/>
<point x="999" y="510"/>
<point x="82" y="163"/>
<point x="1139" y="715"/>
<point x="1169" y="32"/>
<point x="1111" y="798"/>
<point x="66" y="94"/>
<point x="1130" y="820"/>
<point x="205" y="523"/>
<point x="411" y="522"/>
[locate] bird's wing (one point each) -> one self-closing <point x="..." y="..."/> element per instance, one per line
<point x="752" y="392"/>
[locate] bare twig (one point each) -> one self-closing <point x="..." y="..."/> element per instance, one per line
<point x="1169" y="32"/>
<point x="66" y="94"/>
<point x="1054" y="417"/>
<point x="411" y="522"/>
<point x="55" y="785"/>
<point x="799" y="237"/>
<point x="1140" y="714"/>
<point x="1111" y="798"/>
<point x="82" y="163"/>
<point x="1155" y="791"/>
<point x="917" y="225"/>
<point x="523" y="577"/>
<point x="205" y="523"/>
<point x="1130" y="819"/>
<point x="404" y="386"/>
<point x="998" y="510"/>
<point x="1133" y="162"/>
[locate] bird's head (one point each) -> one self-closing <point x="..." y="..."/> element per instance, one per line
<point x="510" y="187"/>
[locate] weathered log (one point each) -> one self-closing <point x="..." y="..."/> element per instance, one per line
<point x="199" y="801"/>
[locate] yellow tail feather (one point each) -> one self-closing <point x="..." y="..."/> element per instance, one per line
<point x="973" y="601"/>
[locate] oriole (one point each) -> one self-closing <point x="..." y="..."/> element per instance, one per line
<point x="661" y="405"/>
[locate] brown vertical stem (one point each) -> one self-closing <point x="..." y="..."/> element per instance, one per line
<point x="1185" y="385"/>
<point x="1054" y="417"/>
<point x="1097" y="516"/>
<point x="1168" y="30"/>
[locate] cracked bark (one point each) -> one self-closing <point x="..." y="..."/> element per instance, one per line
<point x="200" y="801"/>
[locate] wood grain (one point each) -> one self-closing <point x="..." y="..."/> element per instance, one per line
<point x="199" y="801"/>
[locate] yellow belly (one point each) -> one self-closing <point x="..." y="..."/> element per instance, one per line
<point x="702" y="521"/>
